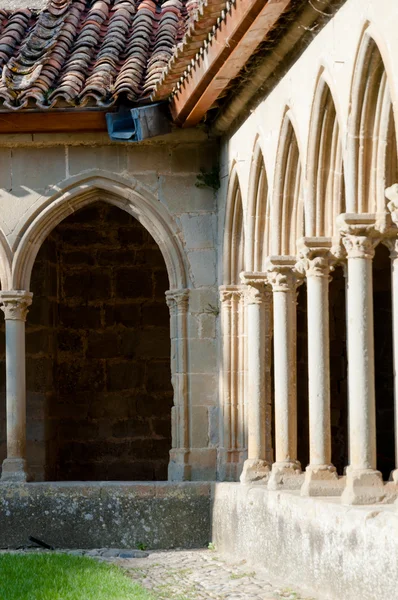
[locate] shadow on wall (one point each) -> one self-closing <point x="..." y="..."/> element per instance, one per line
<point x="98" y="352"/>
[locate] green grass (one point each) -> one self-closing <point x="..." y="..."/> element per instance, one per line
<point x="64" y="577"/>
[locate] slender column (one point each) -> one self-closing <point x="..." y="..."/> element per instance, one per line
<point x="256" y="468"/>
<point x="179" y="467"/>
<point x="364" y="484"/>
<point x="15" y="307"/>
<point x="229" y="453"/>
<point x="321" y="477"/>
<point x="284" y="279"/>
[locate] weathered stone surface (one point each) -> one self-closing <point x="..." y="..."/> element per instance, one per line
<point x="112" y="515"/>
<point x="303" y="539"/>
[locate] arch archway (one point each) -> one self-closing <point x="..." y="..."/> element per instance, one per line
<point x="74" y="194"/>
<point x="326" y="190"/>
<point x="288" y="202"/>
<point x="233" y="436"/>
<point x="80" y="194"/>
<point x="258" y="219"/>
<point x="372" y="146"/>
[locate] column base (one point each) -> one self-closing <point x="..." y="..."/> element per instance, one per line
<point x="363" y="486"/>
<point x="230" y="464"/>
<point x="255" y="471"/>
<point x="322" y="480"/>
<point x="179" y="469"/>
<point x="286" y="476"/>
<point x="14" y="470"/>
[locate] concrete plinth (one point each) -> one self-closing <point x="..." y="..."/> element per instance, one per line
<point x="286" y="476"/>
<point x="255" y="471"/>
<point x="363" y="486"/>
<point x="322" y="481"/>
<point x="14" y="470"/>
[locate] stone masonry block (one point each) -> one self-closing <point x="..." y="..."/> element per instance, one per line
<point x="180" y="195"/>
<point x="199" y="427"/>
<point x="108" y="158"/>
<point x="5" y="168"/>
<point x="199" y="231"/>
<point x="203" y="357"/>
<point x="37" y="168"/>
<point x="141" y="159"/>
<point x="204" y="389"/>
<point x="203" y="267"/>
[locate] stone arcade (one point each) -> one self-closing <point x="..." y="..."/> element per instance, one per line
<point x="269" y="424"/>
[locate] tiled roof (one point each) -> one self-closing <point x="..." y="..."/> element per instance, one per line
<point x="79" y="52"/>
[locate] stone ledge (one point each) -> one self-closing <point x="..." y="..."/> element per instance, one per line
<point x="338" y="551"/>
<point x="106" y="514"/>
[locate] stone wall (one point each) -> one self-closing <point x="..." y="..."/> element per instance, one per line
<point x="35" y="170"/>
<point x="98" y="347"/>
<point x="107" y="514"/>
<point x="338" y="552"/>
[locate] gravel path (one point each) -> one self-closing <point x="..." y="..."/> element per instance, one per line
<point x="204" y="575"/>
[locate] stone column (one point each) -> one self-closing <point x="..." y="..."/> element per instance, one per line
<point x="258" y="300"/>
<point x="321" y="477"/>
<point x="284" y="279"/>
<point x="364" y="484"/>
<point x="179" y="467"/>
<point x="15" y="307"/>
<point x="230" y="452"/>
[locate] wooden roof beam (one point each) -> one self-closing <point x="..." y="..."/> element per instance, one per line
<point x="244" y="28"/>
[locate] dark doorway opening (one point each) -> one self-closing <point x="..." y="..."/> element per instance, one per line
<point x="98" y="352"/>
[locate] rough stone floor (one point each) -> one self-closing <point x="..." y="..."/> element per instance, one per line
<point x="195" y="575"/>
<point x="204" y="575"/>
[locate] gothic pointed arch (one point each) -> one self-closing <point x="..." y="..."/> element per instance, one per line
<point x="288" y="201"/>
<point x="372" y="144"/>
<point x="75" y="193"/>
<point x="234" y="241"/>
<point x="258" y="219"/>
<point x="326" y="190"/>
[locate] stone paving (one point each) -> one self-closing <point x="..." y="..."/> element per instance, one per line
<point x="192" y="574"/>
<point x="204" y="575"/>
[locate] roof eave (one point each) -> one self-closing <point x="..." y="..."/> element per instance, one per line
<point x="243" y="29"/>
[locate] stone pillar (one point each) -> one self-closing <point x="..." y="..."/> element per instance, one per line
<point x="364" y="484"/>
<point x="321" y="477"/>
<point x="15" y="307"/>
<point x="258" y="300"/>
<point x="230" y="451"/>
<point x="179" y="467"/>
<point x="284" y="279"/>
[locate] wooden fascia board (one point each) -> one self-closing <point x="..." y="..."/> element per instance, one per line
<point x="243" y="29"/>
<point x="52" y="122"/>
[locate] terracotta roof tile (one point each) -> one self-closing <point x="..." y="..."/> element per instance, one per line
<point x="77" y="52"/>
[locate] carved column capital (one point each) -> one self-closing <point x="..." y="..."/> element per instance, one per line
<point x="178" y="299"/>
<point x="360" y="234"/>
<point x="282" y="273"/>
<point x="15" y="304"/>
<point x="257" y="288"/>
<point x="228" y="293"/>
<point x="315" y="258"/>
